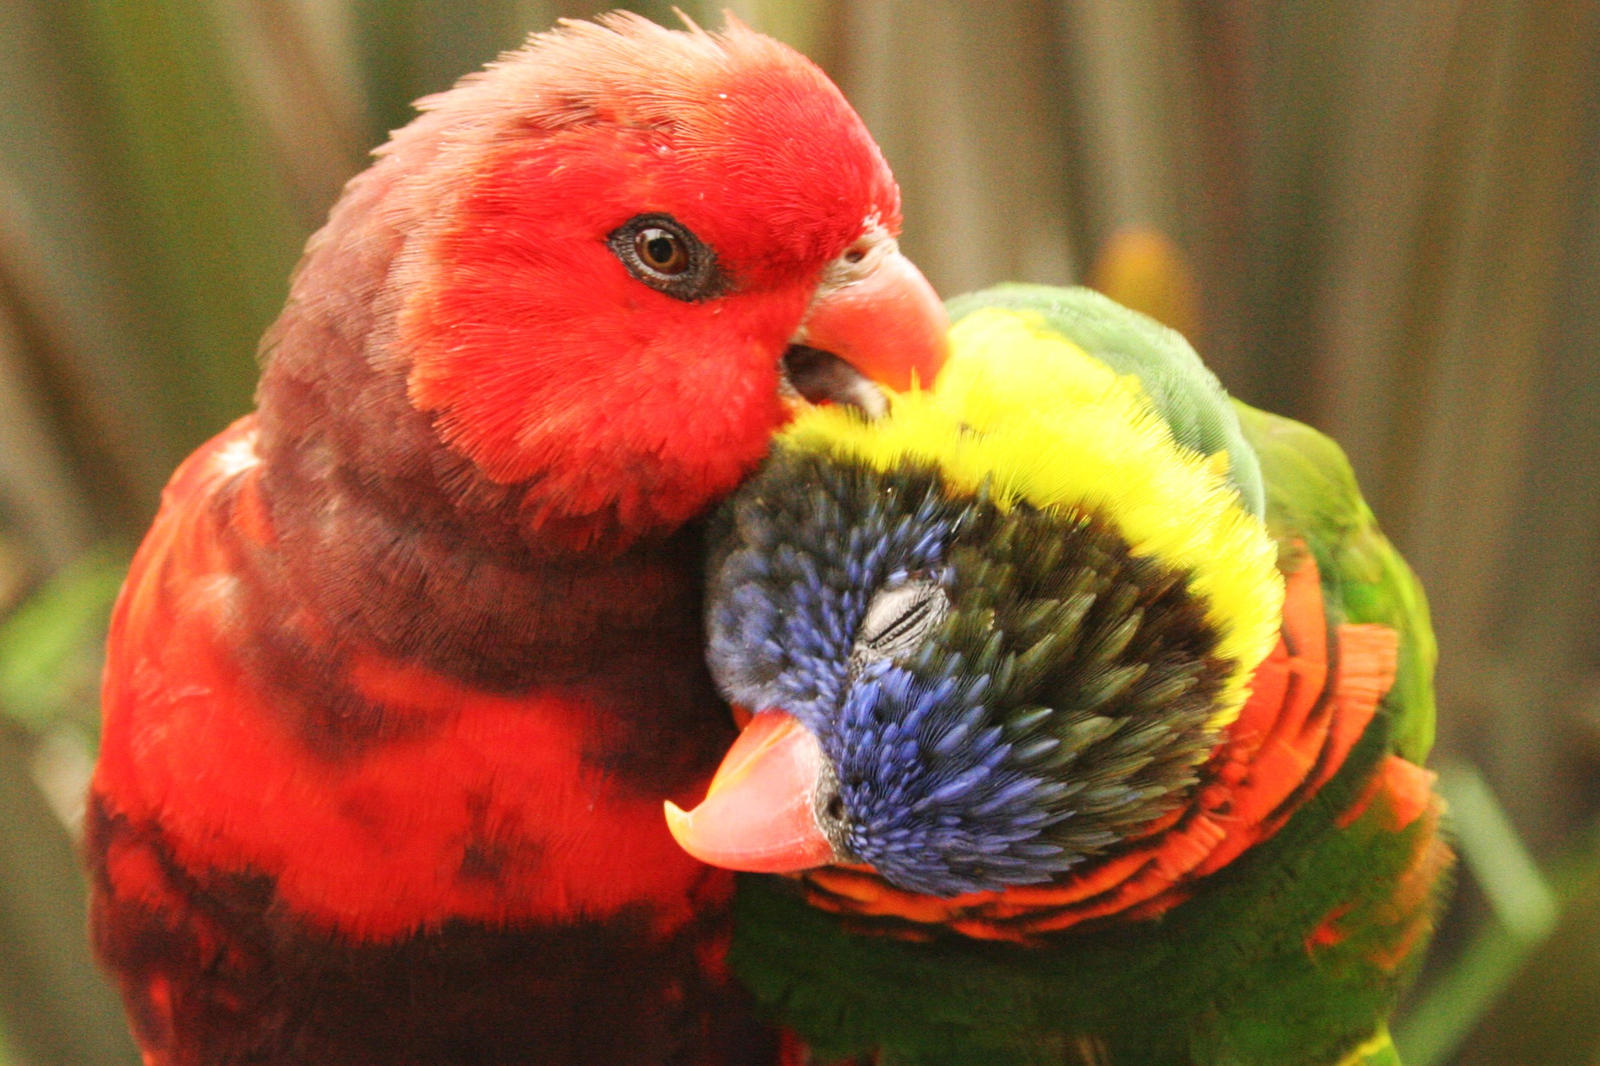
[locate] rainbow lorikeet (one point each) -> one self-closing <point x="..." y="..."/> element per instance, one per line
<point x="1089" y="714"/>
<point x="411" y="655"/>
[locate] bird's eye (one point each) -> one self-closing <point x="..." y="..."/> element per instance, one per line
<point x="899" y="619"/>
<point x="661" y="252"/>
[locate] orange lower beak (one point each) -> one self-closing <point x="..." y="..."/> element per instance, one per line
<point x="758" y="814"/>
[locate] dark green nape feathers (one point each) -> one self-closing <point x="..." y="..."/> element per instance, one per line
<point x="1106" y="699"/>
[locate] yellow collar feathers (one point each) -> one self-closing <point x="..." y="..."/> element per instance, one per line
<point x="1022" y="409"/>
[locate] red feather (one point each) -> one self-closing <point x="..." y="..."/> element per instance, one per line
<point x="410" y="658"/>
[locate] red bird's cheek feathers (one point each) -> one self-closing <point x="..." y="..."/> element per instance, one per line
<point x="540" y="357"/>
<point x="543" y="357"/>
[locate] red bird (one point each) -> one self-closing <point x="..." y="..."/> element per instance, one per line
<point x="411" y="656"/>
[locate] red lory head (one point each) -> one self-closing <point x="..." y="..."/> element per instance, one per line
<point x="589" y="282"/>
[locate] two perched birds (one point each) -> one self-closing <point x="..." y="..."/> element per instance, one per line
<point x="1085" y="706"/>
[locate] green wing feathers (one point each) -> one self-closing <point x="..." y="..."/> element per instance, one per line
<point x="1311" y="493"/>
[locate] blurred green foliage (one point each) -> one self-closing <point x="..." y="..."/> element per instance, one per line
<point x="50" y="644"/>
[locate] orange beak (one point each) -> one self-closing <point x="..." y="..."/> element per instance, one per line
<point x="758" y="814"/>
<point x="874" y="310"/>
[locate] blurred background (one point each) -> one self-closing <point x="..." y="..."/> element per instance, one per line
<point x="1380" y="217"/>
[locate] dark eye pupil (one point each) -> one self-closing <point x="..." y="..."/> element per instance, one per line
<point x="662" y="251"/>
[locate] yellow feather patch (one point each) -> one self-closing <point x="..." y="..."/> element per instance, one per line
<point x="1038" y="419"/>
<point x="1379" y="1044"/>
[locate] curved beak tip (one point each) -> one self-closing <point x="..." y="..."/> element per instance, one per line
<point x="680" y="823"/>
<point x="757" y="813"/>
